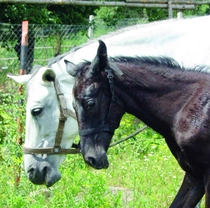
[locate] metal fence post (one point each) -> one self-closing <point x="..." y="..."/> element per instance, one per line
<point x="91" y="27"/>
<point x="179" y="15"/>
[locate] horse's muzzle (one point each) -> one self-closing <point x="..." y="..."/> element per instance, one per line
<point x="96" y="161"/>
<point x="43" y="173"/>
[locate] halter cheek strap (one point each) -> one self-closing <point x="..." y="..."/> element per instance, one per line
<point x="64" y="113"/>
<point x="114" y="100"/>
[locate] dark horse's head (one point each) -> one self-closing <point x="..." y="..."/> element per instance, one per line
<point x="97" y="108"/>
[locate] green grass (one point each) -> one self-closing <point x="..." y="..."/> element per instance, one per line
<point x="146" y="181"/>
<point x="142" y="172"/>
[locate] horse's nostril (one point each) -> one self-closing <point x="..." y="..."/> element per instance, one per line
<point x="97" y="163"/>
<point x="36" y="175"/>
<point x="91" y="161"/>
<point x="44" y="171"/>
<point x="31" y="172"/>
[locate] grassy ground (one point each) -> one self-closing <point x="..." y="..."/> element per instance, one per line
<point x="131" y="181"/>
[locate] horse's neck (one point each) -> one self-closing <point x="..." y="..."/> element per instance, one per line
<point x="153" y="96"/>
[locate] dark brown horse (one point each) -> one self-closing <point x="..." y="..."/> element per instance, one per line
<point x="170" y="99"/>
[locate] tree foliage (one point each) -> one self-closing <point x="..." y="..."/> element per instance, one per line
<point x="156" y="14"/>
<point x="74" y="14"/>
<point x="44" y="14"/>
<point x="112" y="15"/>
<point x="199" y="10"/>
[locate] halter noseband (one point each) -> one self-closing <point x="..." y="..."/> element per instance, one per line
<point x="105" y="127"/>
<point x="64" y="113"/>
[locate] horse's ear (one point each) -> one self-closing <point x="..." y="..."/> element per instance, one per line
<point x="71" y="68"/>
<point x="21" y="79"/>
<point x="100" y="61"/>
<point x="49" y="76"/>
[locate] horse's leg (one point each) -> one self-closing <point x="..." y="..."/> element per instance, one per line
<point x="189" y="194"/>
<point x="198" y="205"/>
<point x="195" y="195"/>
<point x="207" y="188"/>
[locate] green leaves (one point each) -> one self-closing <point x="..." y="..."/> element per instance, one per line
<point x="44" y="14"/>
<point x="11" y="109"/>
<point x="143" y="143"/>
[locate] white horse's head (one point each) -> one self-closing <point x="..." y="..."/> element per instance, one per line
<point x="42" y="120"/>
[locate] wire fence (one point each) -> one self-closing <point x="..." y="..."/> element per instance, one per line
<point x="46" y="41"/>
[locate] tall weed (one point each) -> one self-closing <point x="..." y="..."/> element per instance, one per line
<point x="12" y="115"/>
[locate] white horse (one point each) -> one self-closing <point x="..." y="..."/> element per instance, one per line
<point x="185" y="40"/>
<point x="42" y="120"/>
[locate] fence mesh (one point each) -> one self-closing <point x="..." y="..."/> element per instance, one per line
<point x="46" y="41"/>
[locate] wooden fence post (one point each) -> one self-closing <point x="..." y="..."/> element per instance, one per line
<point x="23" y="69"/>
<point x="24" y="48"/>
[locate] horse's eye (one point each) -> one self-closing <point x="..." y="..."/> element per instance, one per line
<point x="36" y="111"/>
<point x="89" y="104"/>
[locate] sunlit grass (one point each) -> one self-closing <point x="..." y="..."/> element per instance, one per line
<point x="142" y="173"/>
<point x="131" y="181"/>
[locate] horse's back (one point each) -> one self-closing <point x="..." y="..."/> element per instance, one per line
<point x="185" y="40"/>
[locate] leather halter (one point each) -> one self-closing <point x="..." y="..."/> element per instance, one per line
<point x="64" y="113"/>
<point x="105" y="127"/>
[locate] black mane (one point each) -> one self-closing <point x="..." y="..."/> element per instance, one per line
<point x="158" y="61"/>
<point x="152" y="60"/>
